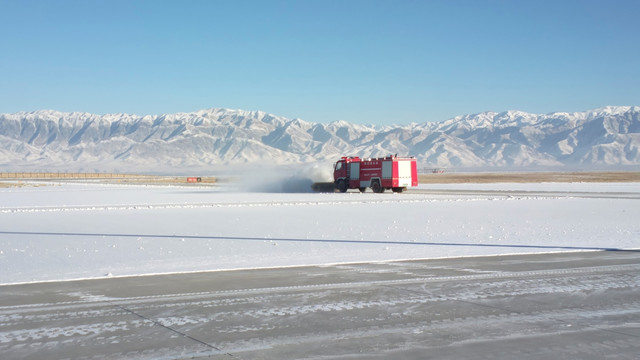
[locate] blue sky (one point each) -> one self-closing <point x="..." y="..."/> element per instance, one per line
<point x="369" y="62"/>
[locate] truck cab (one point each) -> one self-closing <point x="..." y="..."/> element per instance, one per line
<point x="345" y="170"/>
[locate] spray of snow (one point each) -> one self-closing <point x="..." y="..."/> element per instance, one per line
<point x="283" y="179"/>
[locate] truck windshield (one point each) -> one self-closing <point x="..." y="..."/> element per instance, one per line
<point x="338" y="165"/>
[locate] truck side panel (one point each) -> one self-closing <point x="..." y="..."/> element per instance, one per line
<point x="354" y="171"/>
<point x="414" y="173"/>
<point x="369" y="169"/>
<point x="387" y="167"/>
<point x="403" y="176"/>
<point x="386" y="173"/>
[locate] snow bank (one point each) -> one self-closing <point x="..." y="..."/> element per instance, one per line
<point x="72" y="231"/>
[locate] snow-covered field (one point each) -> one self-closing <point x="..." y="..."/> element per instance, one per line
<point x="70" y="230"/>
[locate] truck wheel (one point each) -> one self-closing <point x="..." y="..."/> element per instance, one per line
<point x="362" y="189"/>
<point x="398" y="189"/>
<point x="342" y="186"/>
<point x="376" y="187"/>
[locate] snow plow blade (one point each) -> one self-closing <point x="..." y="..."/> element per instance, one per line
<point x="323" y="187"/>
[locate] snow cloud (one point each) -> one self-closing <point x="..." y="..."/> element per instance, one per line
<point x="283" y="179"/>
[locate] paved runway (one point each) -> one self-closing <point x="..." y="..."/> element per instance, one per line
<point x="583" y="305"/>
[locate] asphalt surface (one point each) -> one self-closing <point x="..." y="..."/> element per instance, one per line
<point x="581" y="305"/>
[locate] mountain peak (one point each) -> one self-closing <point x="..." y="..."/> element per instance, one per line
<point x="612" y="110"/>
<point x="217" y="137"/>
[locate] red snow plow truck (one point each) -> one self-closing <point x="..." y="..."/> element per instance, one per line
<point x="391" y="172"/>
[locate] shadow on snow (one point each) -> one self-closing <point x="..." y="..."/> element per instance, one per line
<point x="334" y="241"/>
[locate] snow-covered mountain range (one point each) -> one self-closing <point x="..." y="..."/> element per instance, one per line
<point x="214" y="138"/>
